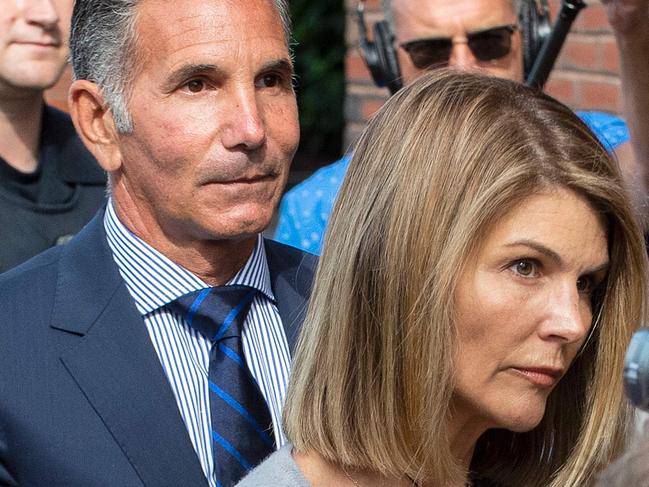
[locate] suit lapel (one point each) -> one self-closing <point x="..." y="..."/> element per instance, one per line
<point x="116" y="366"/>
<point x="291" y="274"/>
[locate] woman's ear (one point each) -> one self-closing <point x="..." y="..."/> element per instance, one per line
<point x="94" y="123"/>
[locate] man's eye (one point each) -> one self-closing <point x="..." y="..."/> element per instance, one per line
<point x="270" y="81"/>
<point x="195" y="85"/>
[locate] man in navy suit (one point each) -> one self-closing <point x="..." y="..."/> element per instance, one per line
<point x="189" y="107"/>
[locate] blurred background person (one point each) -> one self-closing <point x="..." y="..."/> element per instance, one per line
<point x="50" y="185"/>
<point x="632" y="469"/>
<point x="423" y="34"/>
<point x="487" y="271"/>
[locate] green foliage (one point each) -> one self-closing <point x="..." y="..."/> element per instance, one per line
<point x="319" y="32"/>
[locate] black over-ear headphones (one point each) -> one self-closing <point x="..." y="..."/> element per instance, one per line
<point x="534" y="21"/>
<point x="381" y="56"/>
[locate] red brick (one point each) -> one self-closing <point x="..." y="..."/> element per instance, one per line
<point x="599" y="95"/>
<point x="370" y="107"/>
<point x="610" y="56"/>
<point x="562" y="89"/>
<point x="554" y="8"/>
<point x="581" y="53"/>
<point x="370" y="5"/>
<point x="355" y="68"/>
<point x="58" y="94"/>
<point x="592" y="19"/>
<point x="373" y="4"/>
<point x="58" y="103"/>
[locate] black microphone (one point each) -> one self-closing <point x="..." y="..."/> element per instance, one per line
<point x="636" y="369"/>
<point x="550" y="50"/>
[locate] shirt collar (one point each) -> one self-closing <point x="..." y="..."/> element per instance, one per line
<point x="153" y="280"/>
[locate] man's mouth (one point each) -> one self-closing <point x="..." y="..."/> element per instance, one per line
<point x="38" y="43"/>
<point x="244" y="179"/>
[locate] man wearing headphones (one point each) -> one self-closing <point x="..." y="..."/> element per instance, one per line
<point x="500" y="37"/>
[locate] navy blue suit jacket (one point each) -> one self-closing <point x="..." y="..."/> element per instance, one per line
<point x="84" y="400"/>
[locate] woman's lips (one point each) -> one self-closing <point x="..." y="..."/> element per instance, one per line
<point x="539" y="376"/>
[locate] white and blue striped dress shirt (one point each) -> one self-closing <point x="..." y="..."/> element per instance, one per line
<point x="154" y="281"/>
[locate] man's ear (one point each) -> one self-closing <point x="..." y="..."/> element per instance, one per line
<point x="94" y="123"/>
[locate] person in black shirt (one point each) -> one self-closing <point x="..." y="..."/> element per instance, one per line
<point x="50" y="185"/>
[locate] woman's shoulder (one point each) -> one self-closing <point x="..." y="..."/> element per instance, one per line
<point x="278" y="470"/>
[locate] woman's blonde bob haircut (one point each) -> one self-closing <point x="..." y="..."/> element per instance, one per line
<point x="442" y="162"/>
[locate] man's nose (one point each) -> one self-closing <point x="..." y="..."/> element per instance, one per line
<point x="567" y="318"/>
<point x="243" y="125"/>
<point x="461" y="55"/>
<point x="41" y="12"/>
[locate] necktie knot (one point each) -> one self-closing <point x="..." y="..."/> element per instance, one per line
<point x="216" y="313"/>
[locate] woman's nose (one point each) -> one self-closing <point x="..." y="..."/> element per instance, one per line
<point x="568" y="318"/>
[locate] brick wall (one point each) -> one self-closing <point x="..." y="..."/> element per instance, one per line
<point x="58" y="94"/>
<point x="584" y="77"/>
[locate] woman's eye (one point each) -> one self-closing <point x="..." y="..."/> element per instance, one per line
<point x="195" y="85"/>
<point x="585" y="284"/>
<point x="525" y="268"/>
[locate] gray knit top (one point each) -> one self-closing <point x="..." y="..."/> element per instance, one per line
<point x="278" y="470"/>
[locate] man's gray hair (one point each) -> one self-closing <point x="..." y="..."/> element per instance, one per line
<point x="387" y="9"/>
<point x="102" y="49"/>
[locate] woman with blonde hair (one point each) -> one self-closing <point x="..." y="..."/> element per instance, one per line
<point x="481" y="276"/>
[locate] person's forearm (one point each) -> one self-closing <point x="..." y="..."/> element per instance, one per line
<point x="634" y="60"/>
<point x="630" y="22"/>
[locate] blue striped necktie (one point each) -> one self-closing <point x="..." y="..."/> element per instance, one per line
<point x="242" y="429"/>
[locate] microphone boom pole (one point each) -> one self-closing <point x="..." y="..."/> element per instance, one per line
<point x="549" y="53"/>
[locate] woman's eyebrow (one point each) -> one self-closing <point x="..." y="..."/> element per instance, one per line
<point x="542" y="249"/>
<point x="602" y="267"/>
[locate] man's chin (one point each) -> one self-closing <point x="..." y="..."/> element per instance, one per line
<point x="36" y="75"/>
<point x="239" y="228"/>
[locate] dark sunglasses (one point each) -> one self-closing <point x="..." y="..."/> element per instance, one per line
<point x="486" y="45"/>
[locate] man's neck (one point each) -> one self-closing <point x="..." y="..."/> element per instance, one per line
<point x="214" y="261"/>
<point x="20" y="129"/>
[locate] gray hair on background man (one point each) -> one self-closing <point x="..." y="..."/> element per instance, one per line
<point x="102" y="49"/>
<point x="387" y="9"/>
